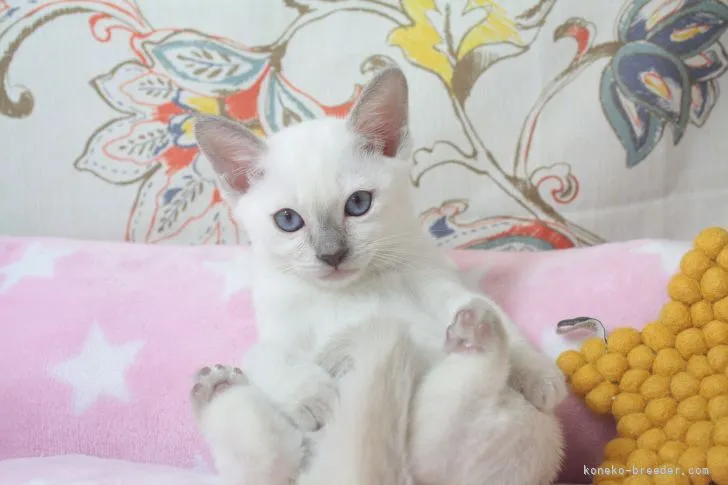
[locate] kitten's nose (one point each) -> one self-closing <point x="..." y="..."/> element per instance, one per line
<point x="334" y="259"/>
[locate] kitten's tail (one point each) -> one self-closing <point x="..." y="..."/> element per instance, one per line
<point x="366" y="442"/>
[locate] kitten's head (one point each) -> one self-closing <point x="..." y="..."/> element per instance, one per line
<point x="326" y="199"/>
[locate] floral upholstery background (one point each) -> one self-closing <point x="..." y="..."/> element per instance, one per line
<point x="538" y="124"/>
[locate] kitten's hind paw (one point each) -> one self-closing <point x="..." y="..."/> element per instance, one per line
<point x="539" y="380"/>
<point x="212" y="381"/>
<point x="475" y="328"/>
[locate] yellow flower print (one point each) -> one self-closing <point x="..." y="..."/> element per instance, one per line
<point x="442" y="32"/>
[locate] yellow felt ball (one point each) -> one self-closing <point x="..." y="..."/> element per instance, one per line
<point x="690" y="342"/>
<point x="714" y="284"/>
<point x="641" y="458"/>
<point x="692" y="459"/>
<point x="699" y="366"/>
<point x="684" y="384"/>
<point x="720" y="432"/>
<point x="698" y="479"/>
<point x="715" y="333"/>
<point x="627" y="403"/>
<point x="612" y="366"/>
<point x="714" y="385"/>
<point x="669" y="474"/>
<point x="652" y="439"/>
<point x="717" y="463"/>
<point x="605" y="471"/>
<point x="618" y="449"/>
<point x="695" y="408"/>
<point x="676" y="427"/>
<point x="655" y="386"/>
<point x="718" y="358"/>
<point x="570" y="361"/>
<point x="593" y="348"/>
<point x="675" y="316"/>
<point x="699" y="434"/>
<point x="720" y="309"/>
<point x="701" y="313"/>
<point x="722" y="258"/>
<point x="622" y="340"/>
<point x="668" y="362"/>
<point x="711" y="241"/>
<point x="660" y="410"/>
<point x="694" y="263"/>
<point x="671" y="451"/>
<point x="585" y="379"/>
<point x="600" y="398"/>
<point x="684" y="289"/>
<point x="718" y="407"/>
<point x="638" y="480"/>
<point x="657" y="336"/>
<point x="632" y="380"/>
<point x="641" y="357"/>
<point x="633" y="425"/>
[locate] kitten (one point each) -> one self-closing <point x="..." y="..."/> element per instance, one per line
<point x="364" y="441"/>
<point x="336" y="242"/>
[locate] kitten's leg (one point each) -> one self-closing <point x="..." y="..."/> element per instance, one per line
<point x="469" y="427"/>
<point x="533" y="373"/>
<point x="301" y="389"/>
<point x="365" y="442"/>
<point x="251" y="442"/>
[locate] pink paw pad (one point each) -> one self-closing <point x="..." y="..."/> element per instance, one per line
<point x="468" y="333"/>
<point x="211" y="382"/>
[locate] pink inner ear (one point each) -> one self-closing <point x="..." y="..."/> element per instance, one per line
<point x="391" y="146"/>
<point x="387" y="147"/>
<point x="382" y="139"/>
<point x="238" y="182"/>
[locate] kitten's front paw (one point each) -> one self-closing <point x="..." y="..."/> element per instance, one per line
<point x="540" y="381"/>
<point x="211" y="382"/>
<point x="318" y="396"/>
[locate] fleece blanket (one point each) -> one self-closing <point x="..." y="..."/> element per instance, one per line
<point x="87" y="470"/>
<point x="100" y="340"/>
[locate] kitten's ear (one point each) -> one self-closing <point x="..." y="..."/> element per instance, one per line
<point x="380" y="115"/>
<point x="232" y="149"/>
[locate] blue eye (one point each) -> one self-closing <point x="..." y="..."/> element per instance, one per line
<point x="288" y="220"/>
<point x="358" y="203"/>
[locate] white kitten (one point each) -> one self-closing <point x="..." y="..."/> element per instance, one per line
<point x="336" y="242"/>
<point x="363" y="443"/>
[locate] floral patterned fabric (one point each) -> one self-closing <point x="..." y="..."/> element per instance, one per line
<point x="538" y="124"/>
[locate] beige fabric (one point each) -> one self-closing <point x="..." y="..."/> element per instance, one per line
<point x="525" y="114"/>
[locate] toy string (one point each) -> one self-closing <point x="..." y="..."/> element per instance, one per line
<point x="589" y="323"/>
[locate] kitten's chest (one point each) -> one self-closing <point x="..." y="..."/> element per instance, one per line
<point x="314" y="318"/>
<point x="334" y="314"/>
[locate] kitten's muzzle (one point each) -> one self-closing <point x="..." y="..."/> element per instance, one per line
<point x="335" y="258"/>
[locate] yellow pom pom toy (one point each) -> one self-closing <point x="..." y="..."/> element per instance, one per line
<point x="666" y="386"/>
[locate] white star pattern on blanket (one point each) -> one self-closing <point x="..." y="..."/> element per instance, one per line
<point x="98" y="370"/>
<point x="200" y="465"/>
<point x="37" y="261"/>
<point x="670" y="252"/>
<point x="236" y="272"/>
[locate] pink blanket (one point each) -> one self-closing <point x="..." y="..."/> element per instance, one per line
<point x="86" y="470"/>
<point x="100" y="339"/>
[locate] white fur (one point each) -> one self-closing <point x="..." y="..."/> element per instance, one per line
<point x="399" y="275"/>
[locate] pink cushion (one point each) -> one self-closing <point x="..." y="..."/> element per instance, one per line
<point x="99" y="340"/>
